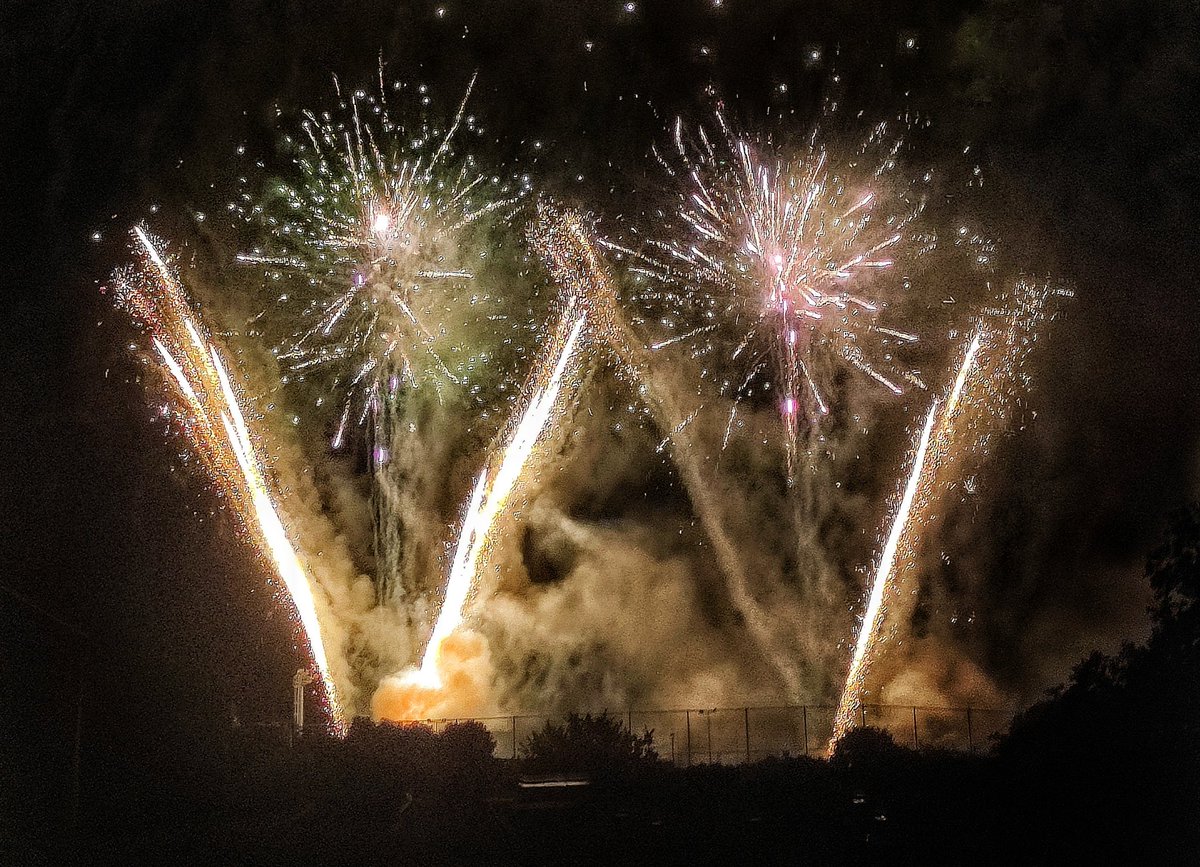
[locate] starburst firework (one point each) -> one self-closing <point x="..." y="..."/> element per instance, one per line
<point x="370" y="246"/>
<point x="773" y="265"/>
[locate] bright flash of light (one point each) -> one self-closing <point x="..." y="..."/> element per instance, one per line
<point x="775" y="264"/>
<point x="492" y="491"/>
<point x="367" y="250"/>
<point x="210" y="416"/>
<point x="868" y="632"/>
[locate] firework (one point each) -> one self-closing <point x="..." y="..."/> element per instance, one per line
<point x="990" y="380"/>
<point x="569" y="247"/>
<point x="492" y="491"/>
<point x="370" y="247"/>
<point x="852" y="692"/>
<point x="211" y="418"/>
<point x="371" y="254"/>
<point x="774" y="265"/>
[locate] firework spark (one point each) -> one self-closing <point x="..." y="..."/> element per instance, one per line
<point x="372" y="237"/>
<point x="990" y="379"/>
<point x="868" y="632"/>
<point x="211" y="418"/>
<point x="372" y="253"/>
<point x="570" y="248"/>
<point x="774" y="266"/>
<point x="492" y="492"/>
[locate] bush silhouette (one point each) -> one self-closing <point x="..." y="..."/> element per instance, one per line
<point x="866" y="746"/>
<point x="597" y="745"/>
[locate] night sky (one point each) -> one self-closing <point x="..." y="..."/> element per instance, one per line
<point x="1083" y="118"/>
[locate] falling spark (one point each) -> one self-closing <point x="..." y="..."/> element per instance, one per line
<point x="212" y="419"/>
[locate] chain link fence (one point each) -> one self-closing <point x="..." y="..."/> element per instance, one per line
<point x="738" y="735"/>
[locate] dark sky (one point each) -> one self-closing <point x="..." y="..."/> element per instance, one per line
<point x="1083" y="116"/>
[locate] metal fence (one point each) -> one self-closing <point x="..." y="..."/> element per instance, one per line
<point x="737" y="735"/>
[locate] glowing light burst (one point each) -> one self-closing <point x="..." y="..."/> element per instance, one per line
<point x="774" y="265"/>
<point x="990" y="380"/>
<point x="369" y="245"/>
<point x="211" y="418"/>
<point x="493" y="489"/>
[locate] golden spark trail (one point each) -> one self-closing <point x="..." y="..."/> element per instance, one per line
<point x="887" y="561"/>
<point x="489" y="497"/>
<point x="917" y="491"/>
<point x="569" y="249"/>
<point x="214" y="424"/>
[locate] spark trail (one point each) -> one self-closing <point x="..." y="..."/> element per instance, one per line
<point x="412" y="693"/>
<point x="899" y="550"/>
<point x="212" y="420"/>
<point x="989" y="384"/>
<point x="491" y="494"/>
<point x="569" y="248"/>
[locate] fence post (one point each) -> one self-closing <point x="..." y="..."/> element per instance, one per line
<point x="916" y="743"/>
<point x="746" y="713"/>
<point x="862" y="710"/>
<point x="629" y="722"/>
<point x="513" y="721"/>
<point x="805" y="710"/>
<point x="970" y="738"/>
<point x="687" y="718"/>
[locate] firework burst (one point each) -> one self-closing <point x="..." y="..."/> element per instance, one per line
<point x="370" y="246"/>
<point x="773" y="266"/>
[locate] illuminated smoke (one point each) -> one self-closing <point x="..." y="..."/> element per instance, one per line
<point x="414" y="692"/>
<point x="569" y="247"/>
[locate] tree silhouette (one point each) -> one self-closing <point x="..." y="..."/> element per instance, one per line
<point x="597" y="745"/>
<point x="1107" y="766"/>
